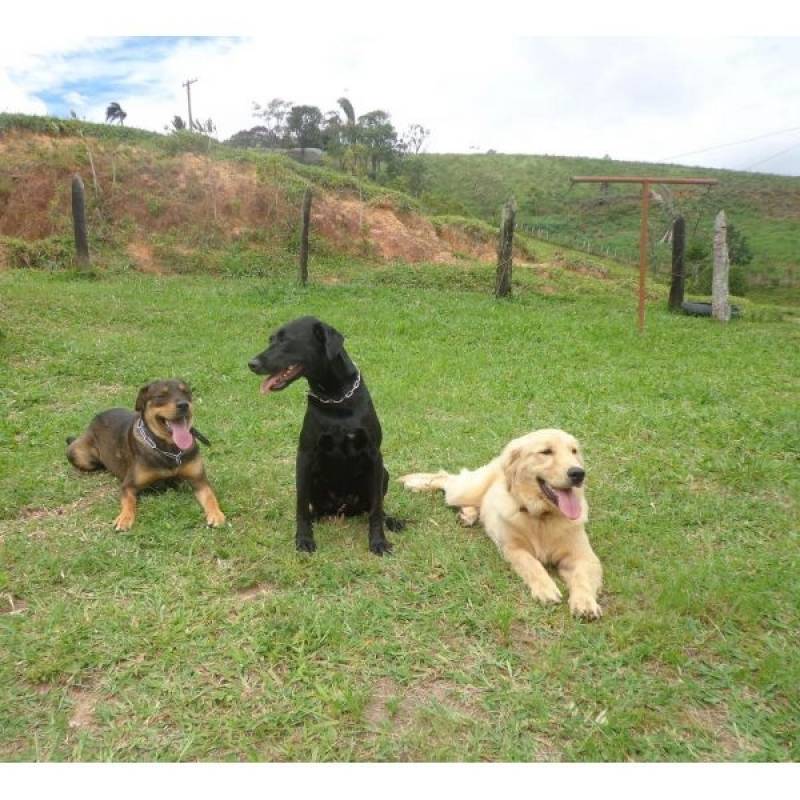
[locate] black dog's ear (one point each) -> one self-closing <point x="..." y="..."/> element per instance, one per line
<point x="141" y="398"/>
<point x="331" y="338"/>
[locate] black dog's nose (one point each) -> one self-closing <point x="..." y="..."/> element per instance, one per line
<point x="182" y="405"/>
<point x="576" y="475"/>
<point x="254" y="364"/>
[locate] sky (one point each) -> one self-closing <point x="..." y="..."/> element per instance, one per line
<point x="640" y="98"/>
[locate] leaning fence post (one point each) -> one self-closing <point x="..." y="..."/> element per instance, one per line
<point x="720" y="307"/>
<point x="79" y="222"/>
<point x="304" y="237"/>
<point x="678" y="248"/>
<point x="502" y="285"/>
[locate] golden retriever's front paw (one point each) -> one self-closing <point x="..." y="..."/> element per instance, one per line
<point x="546" y="593"/>
<point x="215" y="519"/>
<point x="584" y="605"/>
<point x="123" y="522"/>
<point x="468" y="516"/>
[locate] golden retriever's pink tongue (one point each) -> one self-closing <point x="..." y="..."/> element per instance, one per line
<point x="181" y="434"/>
<point x="568" y="503"/>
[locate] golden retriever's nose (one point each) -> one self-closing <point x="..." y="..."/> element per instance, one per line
<point x="576" y="475"/>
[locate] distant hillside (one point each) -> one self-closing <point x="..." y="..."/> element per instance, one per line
<point x="765" y="208"/>
<point x="183" y="202"/>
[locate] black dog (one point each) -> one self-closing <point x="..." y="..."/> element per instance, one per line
<point x="339" y="463"/>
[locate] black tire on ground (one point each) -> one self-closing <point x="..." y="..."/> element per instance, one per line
<point x="704" y="309"/>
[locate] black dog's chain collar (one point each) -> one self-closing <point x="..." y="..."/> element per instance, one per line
<point x="141" y="431"/>
<point x="346" y="396"/>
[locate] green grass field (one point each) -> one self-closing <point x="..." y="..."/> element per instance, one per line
<point x="765" y="208"/>
<point x="176" y="642"/>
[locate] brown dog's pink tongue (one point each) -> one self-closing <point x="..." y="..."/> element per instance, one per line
<point x="181" y="434"/>
<point x="568" y="502"/>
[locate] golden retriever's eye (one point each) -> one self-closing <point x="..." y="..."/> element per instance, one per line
<point x="575" y="450"/>
<point x="546" y="452"/>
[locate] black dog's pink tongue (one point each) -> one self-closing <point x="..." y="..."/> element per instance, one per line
<point x="181" y="434"/>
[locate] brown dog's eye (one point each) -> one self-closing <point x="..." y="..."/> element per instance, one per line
<point x="547" y="452"/>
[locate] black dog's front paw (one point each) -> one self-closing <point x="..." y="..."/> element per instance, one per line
<point x="380" y="546"/>
<point x="394" y="524"/>
<point x="305" y="545"/>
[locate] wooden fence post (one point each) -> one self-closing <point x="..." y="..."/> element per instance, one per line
<point x="720" y="307"/>
<point x="304" y="237"/>
<point x="502" y="285"/>
<point x="676" y="288"/>
<point x="79" y="222"/>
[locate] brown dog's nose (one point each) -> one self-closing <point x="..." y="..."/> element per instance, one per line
<point x="576" y="475"/>
<point x="182" y="406"/>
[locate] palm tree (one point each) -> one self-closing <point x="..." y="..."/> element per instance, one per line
<point x="114" y="113"/>
<point x="350" y="113"/>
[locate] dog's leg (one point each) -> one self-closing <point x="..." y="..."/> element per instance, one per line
<point x="195" y="473"/>
<point x="583" y="575"/>
<point x="127" y="512"/>
<point x="304" y="535"/>
<point x="392" y="523"/>
<point x="530" y="569"/>
<point x="378" y="543"/>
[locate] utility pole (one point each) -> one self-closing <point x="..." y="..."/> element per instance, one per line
<point x="188" y="86"/>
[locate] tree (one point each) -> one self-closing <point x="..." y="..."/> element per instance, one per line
<point x="259" y="136"/>
<point x="274" y="115"/>
<point x="378" y="135"/>
<point x="114" y="113"/>
<point x="415" y="137"/>
<point x="350" y="116"/>
<point x="303" y="125"/>
<point x="178" y="124"/>
<point x="207" y="128"/>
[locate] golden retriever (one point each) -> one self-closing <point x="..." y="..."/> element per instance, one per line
<point x="531" y="502"/>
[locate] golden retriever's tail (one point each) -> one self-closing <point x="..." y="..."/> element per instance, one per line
<point x="424" y="481"/>
<point x="465" y="489"/>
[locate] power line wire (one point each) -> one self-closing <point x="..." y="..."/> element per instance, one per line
<point x="730" y="144"/>
<point x="769" y="158"/>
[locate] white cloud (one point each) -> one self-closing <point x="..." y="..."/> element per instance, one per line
<point x="635" y="99"/>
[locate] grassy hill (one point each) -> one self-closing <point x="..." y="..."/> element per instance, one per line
<point x="765" y="208"/>
<point x="176" y="642"/>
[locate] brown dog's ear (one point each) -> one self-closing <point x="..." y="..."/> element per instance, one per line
<point x="331" y="338"/>
<point x="510" y="467"/>
<point x="141" y="398"/>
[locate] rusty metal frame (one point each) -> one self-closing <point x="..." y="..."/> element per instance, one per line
<point x="643" y="228"/>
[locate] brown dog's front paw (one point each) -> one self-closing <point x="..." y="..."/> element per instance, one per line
<point x="215" y="519"/>
<point x="584" y="605"/>
<point x="124" y="522"/>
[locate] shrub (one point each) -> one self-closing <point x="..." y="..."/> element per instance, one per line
<point x="55" y="252"/>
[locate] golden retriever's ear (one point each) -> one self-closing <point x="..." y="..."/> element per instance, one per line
<point x="142" y="397"/>
<point x="510" y="467"/>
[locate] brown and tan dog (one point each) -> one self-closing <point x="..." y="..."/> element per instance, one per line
<point x="157" y="443"/>
<point x="531" y="502"/>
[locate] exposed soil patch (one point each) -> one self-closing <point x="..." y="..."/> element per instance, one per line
<point x="253" y="592"/>
<point x="34" y="512"/>
<point x="399" y="706"/>
<point x="716" y="721"/>
<point x="141" y="254"/>
<point x="84" y="702"/>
